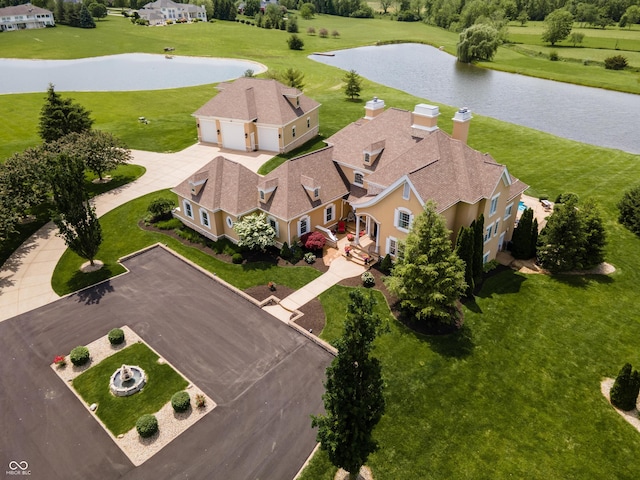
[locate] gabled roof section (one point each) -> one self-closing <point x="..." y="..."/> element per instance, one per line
<point x="24" y="9"/>
<point x="265" y="101"/>
<point x="295" y="176"/>
<point x="229" y="186"/>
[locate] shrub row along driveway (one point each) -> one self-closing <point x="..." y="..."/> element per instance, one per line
<point x="265" y="378"/>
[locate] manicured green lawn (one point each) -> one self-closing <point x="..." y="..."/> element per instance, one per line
<point x="119" y="414"/>
<point x="122" y="235"/>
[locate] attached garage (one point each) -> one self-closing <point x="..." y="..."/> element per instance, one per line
<point x="233" y="136"/>
<point x="208" y="131"/>
<point x="268" y="139"/>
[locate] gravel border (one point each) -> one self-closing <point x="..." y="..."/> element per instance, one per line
<point x="171" y="424"/>
<point x="631" y="416"/>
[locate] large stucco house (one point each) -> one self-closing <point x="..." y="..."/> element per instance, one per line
<point x="26" y="16"/>
<point x="257" y="114"/>
<point x="161" y="11"/>
<point x="377" y="173"/>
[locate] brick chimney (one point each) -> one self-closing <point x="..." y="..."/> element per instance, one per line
<point x="373" y="108"/>
<point x="461" y="124"/>
<point x="425" y="117"/>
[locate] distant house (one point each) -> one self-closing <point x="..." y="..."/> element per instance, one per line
<point x="263" y="5"/>
<point x="376" y="175"/>
<point x="258" y="114"/>
<point x="161" y="11"/>
<point x="27" y="16"/>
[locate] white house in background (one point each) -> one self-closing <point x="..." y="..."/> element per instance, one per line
<point x="161" y="11"/>
<point x="27" y="16"/>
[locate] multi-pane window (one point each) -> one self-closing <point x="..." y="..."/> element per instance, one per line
<point x="204" y="218"/>
<point x="188" y="210"/>
<point x="404" y="220"/>
<point x="328" y="214"/>
<point x="358" y="178"/>
<point x="303" y="226"/>
<point x="495" y="229"/>
<point x="508" y="211"/>
<point x="487" y="233"/>
<point x="393" y="247"/>
<point x="308" y="122"/>
<point x="293" y="131"/>
<point x="494" y="205"/>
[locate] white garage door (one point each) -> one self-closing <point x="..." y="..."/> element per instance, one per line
<point x="233" y="136"/>
<point x="268" y="139"/>
<point x="208" y="131"/>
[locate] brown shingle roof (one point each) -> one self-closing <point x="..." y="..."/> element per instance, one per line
<point x="440" y="168"/>
<point x="290" y="198"/>
<point x="263" y="100"/>
<point x="24" y="9"/>
<point x="229" y="186"/>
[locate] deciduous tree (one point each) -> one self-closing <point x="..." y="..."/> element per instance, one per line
<point x="353" y="400"/>
<point x="255" y="232"/>
<point x="429" y="278"/>
<point x="74" y="216"/>
<point x="61" y="116"/>
<point x="478" y="42"/>
<point x="557" y="26"/>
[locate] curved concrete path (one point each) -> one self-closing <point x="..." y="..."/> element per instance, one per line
<point x="25" y="278"/>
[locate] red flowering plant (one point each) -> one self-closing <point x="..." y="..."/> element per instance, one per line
<point x="350" y="237"/>
<point x="347" y="249"/>
<point x="60" y="361"/>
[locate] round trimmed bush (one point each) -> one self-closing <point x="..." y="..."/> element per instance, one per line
<point x="181" y="401"/>
<point x="237" y="258"/>
<point x="79" y="356"/>
<point x="368" y="280"/>
<point x="116" y="336"/>
<point x="147" y="425"/>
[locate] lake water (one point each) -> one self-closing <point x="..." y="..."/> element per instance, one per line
<point x="127" y="72"/>
<point x="589" y="115"/>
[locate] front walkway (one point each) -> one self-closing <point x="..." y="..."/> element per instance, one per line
<point x="25" y="278"/>
<point x="339" y="269"/>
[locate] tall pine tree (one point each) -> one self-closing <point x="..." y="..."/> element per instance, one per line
<point x="353" y="400"/>
<point x="464" y="249"/>
<point x="478" y="249"/>
<point x="61" y="116"/>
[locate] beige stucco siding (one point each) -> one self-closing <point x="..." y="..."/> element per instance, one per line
<point x="315" y="217"/>
<point x="303" y="133"/>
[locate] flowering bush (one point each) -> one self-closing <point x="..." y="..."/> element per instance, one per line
<point x="200" y="400"/>
<point x="272" y="286"/>
<point x="368" y="279"/>
<point x="315" y="241"/>
<point x="60" y="361"/>
<point x="309" y="257"/>
<point x="350" y="237"/>
<point x="347" y="249"/>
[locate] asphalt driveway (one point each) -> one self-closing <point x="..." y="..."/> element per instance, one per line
<point x="265" y="378"/>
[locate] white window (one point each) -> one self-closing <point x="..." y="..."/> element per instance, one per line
<point x="303" y="226"/>
<point x="494" y="205"/>
<point x="204" y="218"/>
<point x="485" y="258"/>
<point x="358" y="178"/>
<point x="495" y="229"/>
<point x="316" y="192"/>
<point x="403" y="219"/>
<point x="274" y="224"/>
<point x="406" y="191"/>
<point x="308" y="122"/>
<point x="508" y="211"/>
<point x="188" y="210"/>
<point x="261" y="194"/>
<point x="229" y="222"/>
<point x="367" y="158"/>
<point x="487" y="233"/>
<point x="392" y="246"/>
<point x="328" y="213"/>
<point x="293" y="131"/>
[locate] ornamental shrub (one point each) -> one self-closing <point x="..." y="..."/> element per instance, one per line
<point x="295" y="42"/>
<point x="386" y="265"/>
<point x="553" y="56"/>
<point x="160" y="207"/>
<point x="200" y="400"/>
<point x="368" y="279"/>
<point x="79" y="355"/>
<point x="116" y="336"/>
<point x="624" y="393"/>
<point x="309" y="257"/>
<point x="629" y="208"/>
<point x="237" y="258"/>
<point x="315" y="241"/>
<point x="617" y="62"/>
<point x="147" y="425"/>
<point x="181" y="401"/>
<point x="285" y="251"/>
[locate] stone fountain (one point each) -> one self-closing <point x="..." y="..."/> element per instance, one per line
<point x="127" y="380"/>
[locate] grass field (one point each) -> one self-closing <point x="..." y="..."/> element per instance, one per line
<point x="119" y="414"/>
<point x="516" y="394"/>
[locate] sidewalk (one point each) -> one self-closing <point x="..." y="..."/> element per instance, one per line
<point x="339" y="269"/>
<point x="25" y="278"/>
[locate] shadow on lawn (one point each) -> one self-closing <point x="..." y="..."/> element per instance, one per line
<point x="455" y="345"/>
<point x="507" y="281"/>
<point x="91" y="295"/>
<point x="581" y="281"/>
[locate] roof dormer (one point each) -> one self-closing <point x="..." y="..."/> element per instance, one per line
<point x="266" y="189"/>
<point x="371" y="152"/>
<point x="311" y="186"/>
<point x="293" y="95"/>
<point x="197" y="182"/>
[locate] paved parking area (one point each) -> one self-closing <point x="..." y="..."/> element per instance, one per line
<point x="265" y="377"/>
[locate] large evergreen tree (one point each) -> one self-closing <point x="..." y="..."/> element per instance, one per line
<point x="353" y="84"/>
<point x="478" y="248"/>
<point x="353" y="400"/>
<point x="429" y="278"/>
<point x="61" y="116"/>
<point x="74" y="216"/>
<point x="521" y="239"/>
<point x="624" y="392"/>
<point x="464" y="249"/>
<point x="629" y="207"/>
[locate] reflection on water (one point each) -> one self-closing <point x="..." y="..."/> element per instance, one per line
<point x="589" y="115"/>
<point x="127" y="72"/>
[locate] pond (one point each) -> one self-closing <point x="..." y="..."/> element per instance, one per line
<point x="126" y="72"/>
<point x="590" y="115"/>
